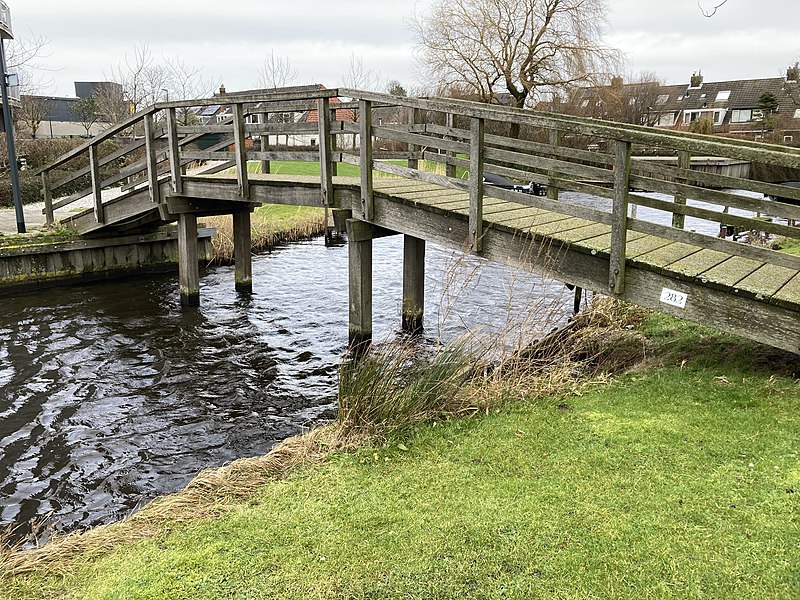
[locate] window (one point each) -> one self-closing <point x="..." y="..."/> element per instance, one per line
<point x="741" y="115"/>
<point x="584" y="104"/>
<point x="787" y="139"/>
<point x="718" y="116"/>
<point x="662" y="99"/>
<point x="313" y="142"/>
<point x="667" y="120"/>
<point x="797" y="113"/>
<point x="723" y="96"/>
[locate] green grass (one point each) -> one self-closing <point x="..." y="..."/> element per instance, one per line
<point x="678" y="481"/>
<point x="285" y="167"/>
<point x="790" y="246"/>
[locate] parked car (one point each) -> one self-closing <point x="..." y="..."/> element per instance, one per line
<point x="533" y="188"/>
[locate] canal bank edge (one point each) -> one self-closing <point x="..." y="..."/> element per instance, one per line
<point x="31" y="267"/>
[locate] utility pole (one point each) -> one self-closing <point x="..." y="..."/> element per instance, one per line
<point x="5" y="34"/>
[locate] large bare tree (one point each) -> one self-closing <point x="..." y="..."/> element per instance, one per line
<point x="509" y="50"/>
<point x="276" y="72"/>
<point x="31" y="112"/>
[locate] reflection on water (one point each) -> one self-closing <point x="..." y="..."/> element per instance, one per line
<point x="111" y="394"/>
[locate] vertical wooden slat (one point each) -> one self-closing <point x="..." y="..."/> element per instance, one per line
<point x="265" y="164"/>
<point x="174" y="152"/>
<point x="555" y="140"/>
<point x="240" y="149"/>
<point x="450" y="170"/>
<point x="325" y="158"/>
<point x="97" y="191"/>
<point x="619" y="217"/>
<point x="47" y="195"/>
<point x="367" y="192"/>
<point x="414" y="117"/>
<point x="684" y="162"/>
<point x="334" y="144"/>
<point x="360" y="286"/>
<point x="152" y="164"/>
<point x="476" y="152"/>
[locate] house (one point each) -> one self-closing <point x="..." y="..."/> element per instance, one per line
<point x="732" y="107"/>
<point x="304" y="111"/>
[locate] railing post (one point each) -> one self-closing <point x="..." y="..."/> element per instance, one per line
<point x="476" y="151"/>
<point x="555" y="140"/>
<point x="97" y="190"/>
<point x="450" y="169"/>
<point x="265" y="164"/>
<point x="240" y="149"/>
<point x="684" y="162"/>
<point x="325" y="159"/>
<point x="414" y="117"/>
<point x="174" y="152"/>
<point x="47" y="195"/>
<point x="619" y="217"/>
<point x="367" y="192"/>
<point x="152" y="164"/>
<point x="334" y="146"/>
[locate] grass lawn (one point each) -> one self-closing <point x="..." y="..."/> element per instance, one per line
<point x="677" y="480"/>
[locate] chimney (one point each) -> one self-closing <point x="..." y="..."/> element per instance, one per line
<point x="616" y="82"/>
<point x="222" y="90"/>
<point x="793" y="73"/>
<point x="696" y="80"/>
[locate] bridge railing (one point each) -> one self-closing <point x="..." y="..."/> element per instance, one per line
<point x="463" y="141"/>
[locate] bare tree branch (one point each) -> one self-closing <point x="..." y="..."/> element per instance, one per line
<point x="276" y="72"/>
<point x="713" y="11"/>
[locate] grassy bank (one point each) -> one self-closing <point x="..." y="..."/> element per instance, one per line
<point x="677" y="478"/>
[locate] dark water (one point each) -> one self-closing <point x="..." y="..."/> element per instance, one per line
<point x="111" y="394"/>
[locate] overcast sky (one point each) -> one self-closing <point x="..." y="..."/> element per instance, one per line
<point x="229" y="39"/>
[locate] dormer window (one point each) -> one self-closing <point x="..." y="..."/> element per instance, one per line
<point x="662" y="99"/>
<point x="723" y="96"/>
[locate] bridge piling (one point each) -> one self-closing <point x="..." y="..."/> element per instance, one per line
<point x="188" y="263"/>
<point x="242" y="252"/>
<point x="413" y="284"/>
<point x="359" y="246"/>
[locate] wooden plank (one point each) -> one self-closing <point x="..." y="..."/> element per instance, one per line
<point x="697" y="263"/>
<point x="789" y="294"/>
<point x="240" y="151"/>
<point x="366" y="162"/>
<point x="684" y="162"/>
<point x="414" y="117"/>
<point x="47" y="195"/>
<point x="97" y="188"/>
<point x="450" y="167"/>
<point x="174" y="152"/>
<point x="602" y="243"/>
<point x="579" y="234"/>
<point x="360" y="286"/>
<point x="666" y="255"/>
<point x="150" y="159"/>
<point x="730" y="272"/>
<point x="619" y="227"/>
<point x="766" y="281"/>
<point x="645" y="245"/>
<point x="325" y="159"/>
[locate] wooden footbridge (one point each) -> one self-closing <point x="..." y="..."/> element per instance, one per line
<point x="749" y="290"/>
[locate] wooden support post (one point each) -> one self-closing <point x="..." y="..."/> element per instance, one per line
<point x="450" y="169"/>
<point x="334" y="146"/>
<point x="150" y="157"/>
<point x="367" y="192"/>
<point x="555" y="140"/>
<point x="360" y="276"/>
<point x="97" y="191"/>
<point x="240" y="149"/>
<point x="684" y="162"/>
<point x="242" y="252"/>
<point x="414" y="117"/>
<point x="188" y="265"/>
<point x="47" y="194"/>
<point x="265" y="164"/>
<point x="619" y="217"/>
<point x="413" y="283"/>
<point x="476" y="150"/>
<point x="325" y="159"/>
<point x="174" y="152"/>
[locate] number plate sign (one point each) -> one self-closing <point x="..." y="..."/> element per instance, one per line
<point x="674" y="298"/>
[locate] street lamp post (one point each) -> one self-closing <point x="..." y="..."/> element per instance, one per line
<point x="5" y="34"/>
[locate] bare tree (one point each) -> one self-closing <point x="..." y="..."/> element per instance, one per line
<point x="113" y="106"/>
<point x="360" y="77"/>
<point x="185" y="82"/>
<point x="510" y="50"/>
<point x="25" y="56"/>
<point x="276" y="72"/>
<point x="143" y="80"/>
<point x="32" y="111"/>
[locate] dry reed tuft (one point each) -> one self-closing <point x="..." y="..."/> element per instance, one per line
<point x="267" y="232"/>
